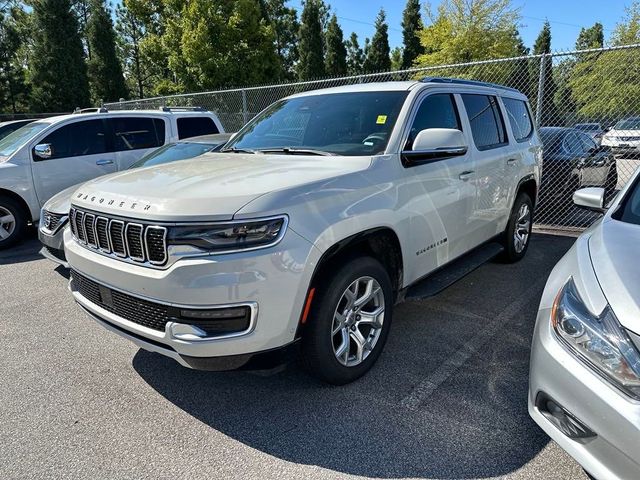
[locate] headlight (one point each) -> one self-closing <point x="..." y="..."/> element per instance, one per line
<point x="599" y="341"/>
<point x="230" y="236"/>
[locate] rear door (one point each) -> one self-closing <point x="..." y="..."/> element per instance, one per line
<point x="80" y="150"/>
<point x="134" y="136"/>
<point x="491" y="153"/>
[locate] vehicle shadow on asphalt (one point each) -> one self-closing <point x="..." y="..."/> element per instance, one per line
<point x="405" y="418"/>
<point x="26" y="251"/>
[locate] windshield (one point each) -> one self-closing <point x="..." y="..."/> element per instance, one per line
<point x="12" y="142"/>
<point x="628" y="124"/>
<point x="172" y="152"/>
<point x="629" y="210"/>
<point x="349" y="124"/>
<point x="588" y="126"/>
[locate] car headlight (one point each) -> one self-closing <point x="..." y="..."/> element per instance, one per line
<point x="599" y="341"/>
<point x="229" y="236"/>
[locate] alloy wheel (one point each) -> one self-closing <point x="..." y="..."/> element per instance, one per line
<point x="357" y="321"/>
<point x="522" y="228"/>
<point x="7" y="223"/>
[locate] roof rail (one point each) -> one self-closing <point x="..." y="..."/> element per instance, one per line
<point x="91" y="110"/>
<point x="182" y="109"/>
<point x="462" y="81"/>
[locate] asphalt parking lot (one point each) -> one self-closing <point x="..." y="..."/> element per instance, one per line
<point x="447" y="400"/>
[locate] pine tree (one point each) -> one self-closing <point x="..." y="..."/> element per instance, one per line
<point x="106" y="80"/>
<point x="411" y="25"/>
<point x="13" y="88"/>
<point x="378" y="54"/>
<point x="130" y="32"/>
<point x="396" y="58"/>
<point x="549" y="114"/>
<point x="355" y="55"/>
<point x="311" y="41"/>
<point x="592" y="37"/>
<point x="285" y="25"/>
<point x="336" y="56"/>
<point x="58" y="72"/>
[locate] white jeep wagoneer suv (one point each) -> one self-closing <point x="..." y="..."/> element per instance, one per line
<point x="312" y="222"/>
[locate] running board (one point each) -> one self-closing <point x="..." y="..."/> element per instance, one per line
<point x="454" y="271"/>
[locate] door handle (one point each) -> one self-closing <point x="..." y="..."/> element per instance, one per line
<point x="464" y="176"/>
<point x="512" y="161"/>
<point x="104" y="161"/>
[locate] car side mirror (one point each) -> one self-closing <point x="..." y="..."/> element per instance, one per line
<point x="435" y="144"/>
<point x="591" y="198"/>
<point x="43" y="151"/>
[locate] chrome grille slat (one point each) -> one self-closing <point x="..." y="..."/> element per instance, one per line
<point x="130" y="241"/>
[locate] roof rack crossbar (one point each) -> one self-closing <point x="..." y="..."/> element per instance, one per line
<point x="91" y="110"/>
<point x="182" y="109"/>
<point x="462" y="81"/>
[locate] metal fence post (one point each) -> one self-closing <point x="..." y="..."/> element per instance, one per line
<point x="245" y="112"/>
<point x="543" y="61"/>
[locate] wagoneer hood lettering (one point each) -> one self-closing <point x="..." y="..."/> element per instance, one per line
<point x="211" y="187"/>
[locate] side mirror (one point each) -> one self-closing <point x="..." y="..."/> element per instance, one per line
<point x="43" y="151"/>
<point x="435" y="144"/>
<point x="591" y="198"/>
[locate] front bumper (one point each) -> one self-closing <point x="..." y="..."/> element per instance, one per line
<point x="53" y="246"/>
<point x="614" y="419"/>
<point x="275" y="280"/>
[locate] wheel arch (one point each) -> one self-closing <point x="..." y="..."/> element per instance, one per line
<point x="20" y="200"/>
<point x="529" y="186"/>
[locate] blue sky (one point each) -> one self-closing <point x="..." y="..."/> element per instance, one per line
<point x="566" y="17"/>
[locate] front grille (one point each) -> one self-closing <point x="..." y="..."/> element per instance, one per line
<point x="52" y="220"/>
<point x="129" y="240"/>
<point x="153" y="315"/>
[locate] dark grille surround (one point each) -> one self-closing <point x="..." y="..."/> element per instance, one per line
<point x="128" y="240"/>
<point x="52" y="221"/>
<point x="156" y="315"/>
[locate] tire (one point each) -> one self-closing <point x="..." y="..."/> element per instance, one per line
<point x="14" y="225"/>
<point x="611" y="183"/>
<point x="515" y="248"/>
<point x="325" y="355"/>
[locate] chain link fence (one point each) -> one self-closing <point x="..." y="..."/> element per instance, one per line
<point x="586" y="105"/>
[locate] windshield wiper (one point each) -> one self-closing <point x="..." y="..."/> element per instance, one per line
<point x="296" y="151"/>
<point x="237" y="150"/>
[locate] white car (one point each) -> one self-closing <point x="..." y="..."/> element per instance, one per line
<point x="584" y="382"/>
<point x="624" y="138"/>
<point x="48" y="155"/>
<point x="316" y="218"/>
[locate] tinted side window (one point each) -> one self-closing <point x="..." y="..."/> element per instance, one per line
<point x="487" y="125"/>
<point x="195" y="126"/>
<point x="519" y="118"/>
<point x="588" y="144"/>
<point x="572" y="144"/>
<point x="133" y="133"/>
<point x="436" y="111"/>
<point x="77" y="139"/>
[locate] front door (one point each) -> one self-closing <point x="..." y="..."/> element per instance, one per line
<point x="80" y="151"/>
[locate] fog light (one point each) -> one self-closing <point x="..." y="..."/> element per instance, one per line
<point x="193" y="324"/>
<point x="561" y="418"/>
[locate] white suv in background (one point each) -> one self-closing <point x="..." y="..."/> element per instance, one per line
<point x="48" y="155"/>
<point x="324" y="211"/>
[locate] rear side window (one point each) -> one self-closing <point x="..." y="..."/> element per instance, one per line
<point x="77" y="139"/>
<point x="519" y="118"/>
<point x="487" y="125"/>
<point x="134" y="133"/>
<point x="195" y="126"/>
<point x="436" y="111"/>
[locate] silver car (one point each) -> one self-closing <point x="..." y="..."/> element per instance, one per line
<point x="584" y="386"/>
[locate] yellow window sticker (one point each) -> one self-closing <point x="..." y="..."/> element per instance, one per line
<point x="382" y="119"/>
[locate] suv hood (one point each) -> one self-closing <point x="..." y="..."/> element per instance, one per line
<point x="614" y="248"/>
<point x="210" y="187"/>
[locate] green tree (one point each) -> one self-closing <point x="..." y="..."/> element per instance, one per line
<point x="411" y="25"/>
<point x="469" y="30"/>
<point x="542" y="46"/>
<point x="57" y="70"/>
<point x="130" y="33"/>
<point x="592" y="37"/>
<point x="284" y="21"/>
<point x="311" y="41"/>
<point x="604" y="88"/>
<point x="13" y="88"/>
<point x="336" y="56"/>
<point x="378" y="54"/>
<point x="355" y="55"/>
<point x="396" y="58"/>
<point x="106" y="81"/>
